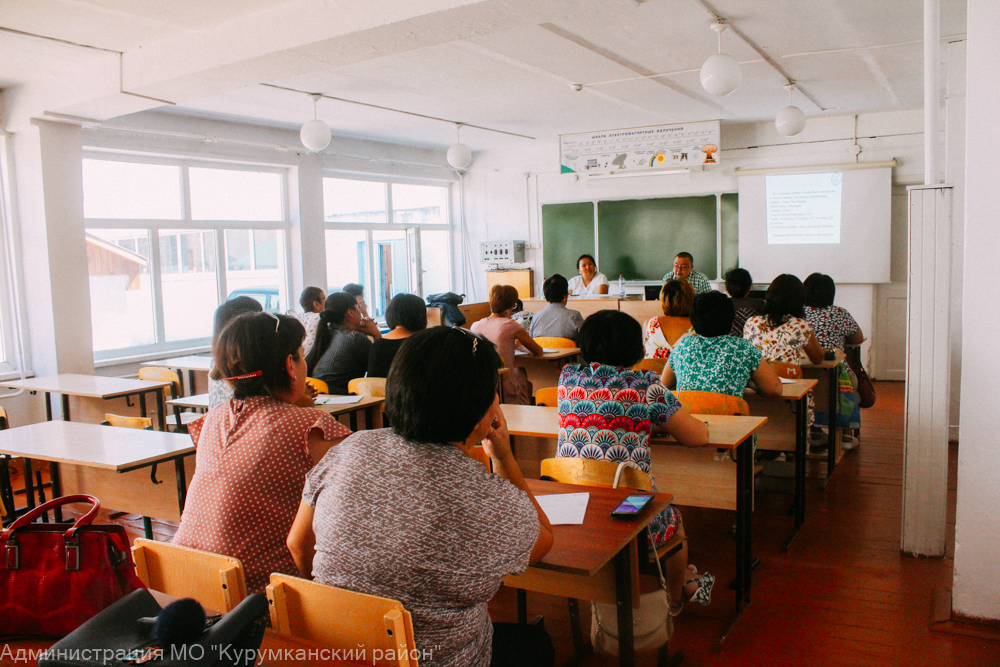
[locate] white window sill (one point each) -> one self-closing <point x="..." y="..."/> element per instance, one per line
<point x="152" y="356"/>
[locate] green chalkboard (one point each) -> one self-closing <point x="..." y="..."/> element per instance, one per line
<point x="730" y="232"/>
<point x="638" y="238"/>
<point x="567" y="233"/>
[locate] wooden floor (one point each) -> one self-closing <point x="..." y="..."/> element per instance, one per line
<point x="843" y="595"/>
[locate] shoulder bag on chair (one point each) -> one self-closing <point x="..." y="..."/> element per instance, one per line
<point x="866" y="388"/>
<point x="652" y="625"/>
<point x="56" y="576"/>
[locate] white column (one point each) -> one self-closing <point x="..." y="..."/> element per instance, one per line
<point x="308" y="240"/>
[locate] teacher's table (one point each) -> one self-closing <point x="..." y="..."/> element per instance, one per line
<point x="93" y="387"/>
<point x="827" y="392"/>
<point x="787" y="430"/>
<point x="191" y="364"/>
<point x="370" y="405"/>
<point x="696" y="476"/>
<point x="544" y="371"/>
<point x="106" y="462"/>
<point x="597" y="560"/>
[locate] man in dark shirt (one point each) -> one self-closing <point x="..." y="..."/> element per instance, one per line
<point x="341" y="350"/>
<point x="738" y="284"/>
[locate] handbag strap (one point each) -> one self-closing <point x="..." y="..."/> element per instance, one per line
<point x="84" y="520"/>
<point x="614" y="485"/>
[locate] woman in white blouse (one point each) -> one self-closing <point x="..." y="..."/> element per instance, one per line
<point x="589" y="281"/>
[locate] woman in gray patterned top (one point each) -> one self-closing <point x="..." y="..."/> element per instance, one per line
<point x="405" y="513"/>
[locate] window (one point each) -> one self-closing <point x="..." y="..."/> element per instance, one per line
<point x="158" y="234"/>
<point x="389" y="237"/>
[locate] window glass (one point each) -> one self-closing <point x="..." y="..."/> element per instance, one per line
<point x="265" y="249"/>
<point x="346" y="258"/>
<point x="353" y="201"/>
<point x="122" y="190"/>
<point x="238" y="250"/>
<point x="121" y="293"/>
<point x="228" y="194"/>
<point x="261" y="275"/>
<point x="435" y="260"/>
<point x="419" y="204"/>
<point x="190" y="290"/>
<point x="391" y="269"/>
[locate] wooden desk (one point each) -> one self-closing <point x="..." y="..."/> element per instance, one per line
<point x="544" y="371"/>
<point x="597" y="560"/>
<point x="585" y="305"/>
<point x="106" y="462"/>
<point x="191" y="364"/>
<point x="828" y="392"/>
<point x="369" y="404"/>
<point x="93" y="386"/>
<point x="696" y="476"/>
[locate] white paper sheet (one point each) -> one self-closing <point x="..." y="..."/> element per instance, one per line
<point x="546" y="350"/>
<point x="786" y="381"/>
<point x="336" y="400"/>
<point x="564" y="508"/>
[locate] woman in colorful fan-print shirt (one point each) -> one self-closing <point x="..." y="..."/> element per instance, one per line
<point x="608" y="412"/>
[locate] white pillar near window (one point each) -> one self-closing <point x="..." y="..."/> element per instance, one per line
<point x="928" y="371"/>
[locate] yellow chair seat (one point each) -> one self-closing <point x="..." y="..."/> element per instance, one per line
<point x="547" y="396"/>
<point x="711" y="403"/>
<point x="372" y="387"/>
<point x="318" y="386"/>
<point x="655" y="365"/>
<point x="555" y="342"/>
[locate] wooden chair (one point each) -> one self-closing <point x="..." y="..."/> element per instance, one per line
<point x="711" y="403"/>
<point x="555" y="342"/>
<point x="218" y="582"/>
<point x="787" y="371"/>
<point x="655" y="365"/>
<point x="157" y="374"/>
<point x="142" y="424"/>
<point x="341" y="619"/>
<point x="318" y="386"/>
<point x="374" y="387"/>
<point x="547" y="396"/>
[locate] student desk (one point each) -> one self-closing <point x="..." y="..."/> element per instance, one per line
<point x="106" y="462"/>
<point x="828" y="391"/>
<point x="371" y="406"/>
<point x="597" y="560"/>
<point x="544" y="371"/>
<point x="696" y="476"/>
<point x="786" y="430"/>
<point x="91" y="387"/>
<point x="191" y="364"/>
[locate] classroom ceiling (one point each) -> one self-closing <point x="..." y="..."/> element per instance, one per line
<point x="501" y="64"/>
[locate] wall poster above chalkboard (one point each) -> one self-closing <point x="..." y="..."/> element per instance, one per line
<point x="640" y="149"/>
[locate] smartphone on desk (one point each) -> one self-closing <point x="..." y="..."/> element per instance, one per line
<point x="632" y="505"/>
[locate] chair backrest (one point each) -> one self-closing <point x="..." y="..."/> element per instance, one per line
<point x="479" y="454"/>
<point x="157" y="374"/>
<point x="555" y="342"/>
<point x="318" y="386"/>
<point x="128" y="422"/>
<point x="341" y="619"/>
<point x="655" y="365"/>
<point x="787" y="371"/>
<point x="218" y="582"/>
<point x="373" y="387"/>
<point x="547" y="396"/>
<point x="711" y="403"/>
<point x="4" y="423"/>
<point x="590" y="472"/>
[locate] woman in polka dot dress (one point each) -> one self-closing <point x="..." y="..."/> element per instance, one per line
<point x="254" y="451"/>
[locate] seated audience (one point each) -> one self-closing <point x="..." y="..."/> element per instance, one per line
<point x="661" y="333"/>
<point x="253" y="453"/>
<point x="220" y="391"/>
<point x="522" y="316"/>
<point x="684" y="270"/>
<point x="781" y="333"/>
<point x="605" y="389"/>
<point x="358" y="292"/>
<point x="405" y="513"/>
<point x="738" y="285"/>
<point x="312" y="300"/>
<point x="834" y="326"/>
<point x="406" y="315"/>
<point x="712" y="360"/>
<point x="556" y="319"/>
<point x="590" y="282"/>
<point x="342" y="348"/>
<point x="505" y="333"/>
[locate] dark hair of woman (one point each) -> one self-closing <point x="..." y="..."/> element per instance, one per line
<point x="230" y="309"/>
<point x="676" y="297"/>
<point x="258" y="342"/>
<point x="583" y="257"/>
<point x="738" y="283"/>
<point x="785" y="297"/>
<point x="334" y="312"/>
<point x="820" y="290"/>
<point x="441" y="383"/>
<point x="354" y="289"/>
<point x="611" y="337"/>
<point x="712" y="314"/>
<point x="309" y="296"/>
<point x="408" y="311"/>
<point x="502" y="297"/>
<point x="555" y="288"/>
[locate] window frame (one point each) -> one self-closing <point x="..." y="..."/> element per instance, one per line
<point x="12" y="343"/>
<point x="153" y="226"/>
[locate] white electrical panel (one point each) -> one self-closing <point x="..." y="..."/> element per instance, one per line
<point x="501" y="252"/>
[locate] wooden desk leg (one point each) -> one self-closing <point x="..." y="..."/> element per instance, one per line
<point x="522" y="606"/>
<point x="161" y="409"/>
<point x="353" y="416"/>
<point x="623" y="592"/>
<point x="831" y="418"/>
<point x="744" y="533"/>
<point x="29" y="484"/>
<point x="181" y="483"/>
<point x="65" y="406"/>
<point x="142" y="403"/>
<point x="801" y="438"/>
<point x="192" y="387"/>
<point x="48" y="407"/>
<point x="56" y="488"/>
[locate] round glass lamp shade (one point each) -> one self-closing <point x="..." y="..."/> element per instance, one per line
<point x="720" y="75"/>
<point x="790" y="121"/>
<point x="459" y="156"/>
<point x="315" y="135"/>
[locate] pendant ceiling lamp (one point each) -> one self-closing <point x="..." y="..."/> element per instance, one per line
<point x="459" y="155"/>
<point x="790" y="120"/>
<point x="315" y="134"/>
<point x="720" y="75"/>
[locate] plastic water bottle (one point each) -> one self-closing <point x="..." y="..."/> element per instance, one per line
<point x="621" y="286"/>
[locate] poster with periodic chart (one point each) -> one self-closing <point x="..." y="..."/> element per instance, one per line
<point x="640" y="149"/>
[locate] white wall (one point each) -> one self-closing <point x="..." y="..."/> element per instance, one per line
<point x="977" y="531"/>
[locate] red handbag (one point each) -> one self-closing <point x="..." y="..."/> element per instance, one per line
<point x="54" y="578"/>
